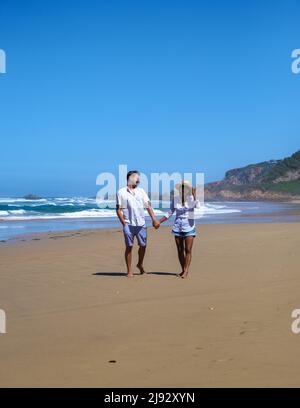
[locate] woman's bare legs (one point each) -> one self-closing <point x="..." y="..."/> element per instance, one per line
<point x="180" y="251"/>
<point x="188" y="246"/>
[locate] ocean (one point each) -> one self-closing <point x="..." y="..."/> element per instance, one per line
<point x="19" y="216"/>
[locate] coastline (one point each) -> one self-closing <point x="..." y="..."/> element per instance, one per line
<point x="70" y="310"/>
<point x="20" y="223"/>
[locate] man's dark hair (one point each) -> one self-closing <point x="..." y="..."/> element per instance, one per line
<point x="131" y="172"/>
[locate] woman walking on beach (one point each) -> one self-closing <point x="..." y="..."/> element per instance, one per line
<point x="184" y="229"/>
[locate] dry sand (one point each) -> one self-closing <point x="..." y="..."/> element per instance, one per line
<point x="70" y="310"/>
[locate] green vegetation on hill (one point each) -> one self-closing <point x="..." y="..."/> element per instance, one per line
<point x="278" y="178"/>
<point x="290" y="187"/>
<point x="283" y="167"/>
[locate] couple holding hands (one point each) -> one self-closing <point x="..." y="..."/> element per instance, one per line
<point x="130" y="203"/>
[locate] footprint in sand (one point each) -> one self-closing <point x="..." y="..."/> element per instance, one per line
<point x="249" y="327"/>
<point x="222" y="360"/>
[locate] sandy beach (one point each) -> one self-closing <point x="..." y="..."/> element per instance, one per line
<point x="73" y="319"/>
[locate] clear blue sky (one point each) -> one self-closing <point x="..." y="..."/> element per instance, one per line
<point x="159" y="85"/>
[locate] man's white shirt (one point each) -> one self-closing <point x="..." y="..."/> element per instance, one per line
<point x="132" y="202"/>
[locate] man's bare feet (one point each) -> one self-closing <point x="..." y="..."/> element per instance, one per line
<point x="141" y="268"/>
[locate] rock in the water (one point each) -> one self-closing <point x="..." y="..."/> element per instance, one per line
<point x="32" y="197"/>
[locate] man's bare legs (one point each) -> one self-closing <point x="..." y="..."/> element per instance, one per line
<point x="188" y="246"/>
<point x="142" y="251"/>
<point x="180" y="250"/>
<point x="128" y="259"/>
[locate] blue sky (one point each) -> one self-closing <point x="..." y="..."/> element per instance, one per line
<point x="158" y="85"/>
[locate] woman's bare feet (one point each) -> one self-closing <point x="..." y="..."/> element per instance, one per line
<point x="141" y="268"/>
<point x="130" y="274"/>
<point x="184" y="274"/>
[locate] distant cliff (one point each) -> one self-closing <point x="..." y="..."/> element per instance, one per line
<point x="270" y="180"/>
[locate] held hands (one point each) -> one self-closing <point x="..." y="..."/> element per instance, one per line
<point x="156" y="224"/>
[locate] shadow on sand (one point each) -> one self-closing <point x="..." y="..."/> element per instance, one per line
<point x="116" y="274"/>
<point x="163" y="273"/>
<point x="109" y="274"/>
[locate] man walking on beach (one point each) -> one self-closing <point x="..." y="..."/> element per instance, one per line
<point x="130" y="203"/>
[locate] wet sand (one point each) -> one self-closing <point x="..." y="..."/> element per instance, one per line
<point x="74" y="319"/>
